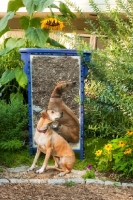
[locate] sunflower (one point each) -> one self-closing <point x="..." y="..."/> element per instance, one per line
<point x="52" y="24"/>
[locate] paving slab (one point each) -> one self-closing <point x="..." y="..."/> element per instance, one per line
<point x="3" y="180"/>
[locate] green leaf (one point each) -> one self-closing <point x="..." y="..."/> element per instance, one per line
<point x="29" y="4"/>
<point x="11" y="43"/>
<point x="24" y="22"/>
<point x="54" y="43"/>
<point x="21" y="77"/>
<point x="65" y="10"/>
<point x="4" y="20"/>
<point x="41" y="4"/>
<point x="16" y="96"/>
<point x="35" y="22"/>
<point x="37" y="36"/>
<point x="14" y="5"/>
<point x="5" y="41"/>
<point x="4" y="31"/>
<point x="3" y="52"/>
<point x="20" y="42"/>
<point x="54" y="6"/>
<point x="7" y="76"/>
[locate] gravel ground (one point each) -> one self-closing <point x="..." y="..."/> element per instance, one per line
<point x="30" y="191"/>
<point x="67" y="191"/>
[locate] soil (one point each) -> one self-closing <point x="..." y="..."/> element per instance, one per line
<point x="67" y="191"/>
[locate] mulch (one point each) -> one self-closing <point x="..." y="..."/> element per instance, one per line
<point x="28" y="191"/>
<point x="67" y="191"/>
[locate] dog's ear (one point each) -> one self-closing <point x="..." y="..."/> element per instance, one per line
<point x="60" y="82"/>
<point x="45" y="116"/>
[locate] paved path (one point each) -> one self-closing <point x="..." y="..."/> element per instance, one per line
<point x="20" y="175"/>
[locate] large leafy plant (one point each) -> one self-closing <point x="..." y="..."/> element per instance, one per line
<point x="108" y="88"/>
<point x="34" y="36"/>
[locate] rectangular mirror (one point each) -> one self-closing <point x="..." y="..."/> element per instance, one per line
<point x="46" y="67"/>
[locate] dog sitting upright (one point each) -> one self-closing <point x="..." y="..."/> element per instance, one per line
<point x="51" y="143"/>
<point x="69" y="123"/>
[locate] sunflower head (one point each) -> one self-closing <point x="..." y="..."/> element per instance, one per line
<point x="52" y="24"/>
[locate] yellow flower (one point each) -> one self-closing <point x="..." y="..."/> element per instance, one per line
<point x="108" y="147"/>
<point x="128" y="151"/>
<point x="52" y="24"/>
<point x="129" y="132"/>
<point x="98" y="152"/>
<point x="121" y="144"/>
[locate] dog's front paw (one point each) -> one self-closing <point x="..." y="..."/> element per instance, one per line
<point x="62" y="174"/>
<point x="39" y="171"/>
<point x="31" y="168"/>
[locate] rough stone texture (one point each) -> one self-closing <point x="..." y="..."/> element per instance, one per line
<point x="90" y="181"/>
<point x="56" y="181"/>
<point x="4" y="180"/>
<point x="127" y="184"/>
<point x="109" y="183"/>
<point x="15" y="180"/>
<point x="37" y="180"/>
<point x="76" y="180"/>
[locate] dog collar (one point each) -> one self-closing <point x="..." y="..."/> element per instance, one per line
<point x="41" y="131"/>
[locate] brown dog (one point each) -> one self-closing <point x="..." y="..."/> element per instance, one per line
<point x="51" y="143"/>
<point x="69" y="123"/>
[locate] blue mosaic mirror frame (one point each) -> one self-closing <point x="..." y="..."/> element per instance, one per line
<point x="28" y="55"/>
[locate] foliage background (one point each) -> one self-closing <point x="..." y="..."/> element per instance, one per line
<point x="109" y="92"/>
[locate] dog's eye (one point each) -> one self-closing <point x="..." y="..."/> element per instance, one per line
<point x="52" y="111"/>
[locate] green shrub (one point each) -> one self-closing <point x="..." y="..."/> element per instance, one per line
<point x="108" y="87"/>
<point x="13" y="128"/>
